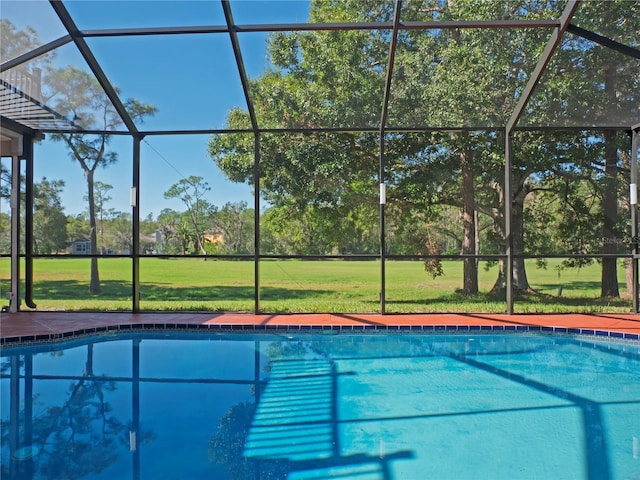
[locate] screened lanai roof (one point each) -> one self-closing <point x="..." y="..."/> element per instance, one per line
<point x="195" y="61"/>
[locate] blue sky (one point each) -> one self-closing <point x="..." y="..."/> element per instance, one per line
<point x="192" y="80"/>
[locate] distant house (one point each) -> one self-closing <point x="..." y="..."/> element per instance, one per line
<point x="214" y="238"/>
<point x="150" y="244"/>
<point x="81" y="246"/>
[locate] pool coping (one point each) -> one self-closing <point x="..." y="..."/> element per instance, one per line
<point x="355" y="329"/>
<point x="29" y="327"/>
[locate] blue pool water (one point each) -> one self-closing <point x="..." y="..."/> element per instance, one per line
<point x="365" y="407"/>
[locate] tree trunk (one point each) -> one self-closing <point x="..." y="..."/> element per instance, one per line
<point x="501" y="281"/>
<point x="628" y="273"/>
<point x="609" y="281"/>
<point x="476" y="224"/>
<point x="499" y="225"/>
<point x="520" y="281"/>
<point x="101" y="233"/>
<point x="94" y="283"/>
<point x="470" y="283"/>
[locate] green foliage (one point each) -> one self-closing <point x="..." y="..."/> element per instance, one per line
<point x="168" y="222"/>
<point x="234" y="224"/>
<point x="191" y="192"/>
<point x="118" y="235"/>
<point x="14" y="42"/>
<point x="49" y="220"/>
<point x="77" y="227"/>
<point x="449" y="78"/>
<point x="292" y="229"/>
<point x="5" y="233"/>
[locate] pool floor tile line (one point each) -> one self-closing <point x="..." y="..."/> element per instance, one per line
<point x="24" y="324"/>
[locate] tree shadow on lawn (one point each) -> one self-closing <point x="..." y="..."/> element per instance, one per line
<point x="531" y="297"/>
<point x="566" y="286"/>
<point x="536" y="297"/>
<point x="452" y="297"/>
<point x="117" y="290"/>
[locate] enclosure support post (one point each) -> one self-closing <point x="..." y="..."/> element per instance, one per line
<point x="383" y="246"/>
<point x="633" y="201"/>
<point x="27" y="155"/>
<point x="256" y="224"/>
<point x="244" y="79"/>
<point x="508" y="269"/>
<point x="554" y="41"/>
<point x="135" y="227"/>
<point x="14" y="295"/>
<point x="383" y="124"/>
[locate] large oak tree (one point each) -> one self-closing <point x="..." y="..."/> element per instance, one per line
<point x="450" y="78"/>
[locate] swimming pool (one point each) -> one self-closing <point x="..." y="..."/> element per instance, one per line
<point x="311" y="406"/>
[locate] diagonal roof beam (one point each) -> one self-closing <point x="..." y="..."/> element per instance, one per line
<point x="392" y="56"/>
<point x="604" y="41"/>
<point x="111" y="93"/>
<point x="239" y="62"/>
<point x="36" y="52"/>
<point x="543" y="61"/>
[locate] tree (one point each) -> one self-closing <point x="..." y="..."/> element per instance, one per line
<point x="49" y="220"/>
<point x="5" y="199"/>
<point x="469" y="78"/>
<point x="234" y="221"/>
<point x="442" y="78"/>
<point x="192" y="191"/>
<point x="5" y="229"/>
<point x="14" y="42"/>
<point x="168" y="226"/>
<point x="328" y="77"/>
<point x="100" y="199"/>
<point x="119" y="233"/>
<point x="77" y="227"/>
<point x="78" y="95"/>
<point x="597" y="85"/>
<point x="5" y="182"/>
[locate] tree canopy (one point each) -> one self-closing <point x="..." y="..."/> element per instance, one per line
<point x="460" y="78"/>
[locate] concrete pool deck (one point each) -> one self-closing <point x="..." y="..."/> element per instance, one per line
<point x="29" y="326"/>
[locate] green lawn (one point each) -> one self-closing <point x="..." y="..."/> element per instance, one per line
<point x="305" y="286"/>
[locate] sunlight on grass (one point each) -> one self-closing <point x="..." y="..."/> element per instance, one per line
<point x="305" y="286"/>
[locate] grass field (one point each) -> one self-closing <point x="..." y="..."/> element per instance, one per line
<point x="338" y="286"/>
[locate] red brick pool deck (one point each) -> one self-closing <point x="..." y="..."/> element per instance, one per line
<point x="25" y="324"/>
